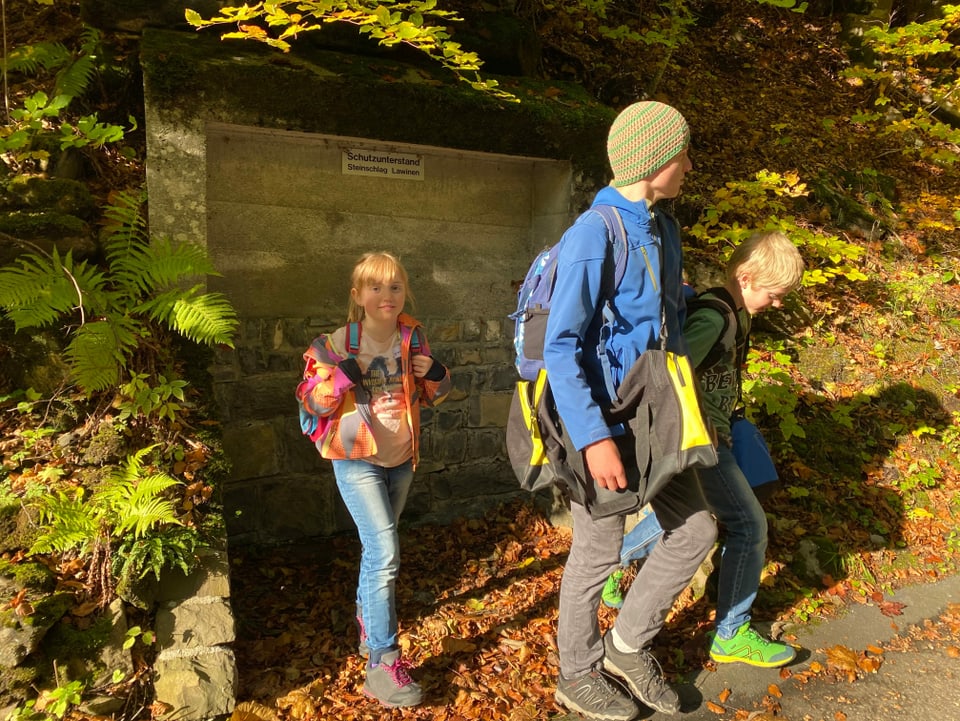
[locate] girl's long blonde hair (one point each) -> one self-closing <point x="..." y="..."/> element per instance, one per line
<point x="379" y="267"/>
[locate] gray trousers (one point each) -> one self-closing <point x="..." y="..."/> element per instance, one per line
<point x="689" y="534"/>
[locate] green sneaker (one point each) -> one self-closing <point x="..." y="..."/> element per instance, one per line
<point x="749" y="647"/>
<point x="612" y="595"/>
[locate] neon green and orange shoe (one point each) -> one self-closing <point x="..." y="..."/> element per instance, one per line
<point x="749" y="647"/>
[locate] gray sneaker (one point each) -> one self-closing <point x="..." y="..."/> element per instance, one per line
<point x="596" y="696"/>
<point x="389" y="682"/>
<point x="643" y="675"/>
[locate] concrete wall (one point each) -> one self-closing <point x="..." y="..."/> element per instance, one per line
<point x="271" y="190"/>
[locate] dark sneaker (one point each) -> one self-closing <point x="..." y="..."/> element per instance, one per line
<point x="596" y="696"/>
<point x="643" y="675"/>
<point x="612" y="595"/>
<point x="389" y="682"/>
<point x="749" y="647"/>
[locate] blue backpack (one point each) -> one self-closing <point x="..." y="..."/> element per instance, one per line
<point x="536" y="293"/>
<point x="534" y="436"/>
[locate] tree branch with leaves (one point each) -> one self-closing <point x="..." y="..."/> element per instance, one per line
<point x="416" y="23"/>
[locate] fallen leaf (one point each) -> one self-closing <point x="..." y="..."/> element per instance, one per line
<point x="842" y="658"/>
<point x="715" y="708"/>
<point x="724" y="695"/>
<point x="892" y="608"/>
<point x="774" y="690"/>
<point x="84" y="609"/>
<point x="253" y="711"/>
<point x="450" y="644"/>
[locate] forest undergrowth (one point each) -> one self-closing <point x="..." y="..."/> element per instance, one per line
<point x="856" y="388"/>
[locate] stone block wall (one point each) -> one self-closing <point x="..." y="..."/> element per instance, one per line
<point x="281" y="487"/>
<point x="245" y="156"/>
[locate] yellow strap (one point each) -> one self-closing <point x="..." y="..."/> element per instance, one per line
<point x="694" y="432"/>
<point x="538" y="455"/>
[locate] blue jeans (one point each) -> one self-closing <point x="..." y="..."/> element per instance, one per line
<point x="375" y="497"/>
<point x="744" y="525"/>
<point x="642" y="538"/>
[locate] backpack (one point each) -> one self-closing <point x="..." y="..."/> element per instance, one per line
<point x="534" y="435"/>
<point x="536" y="292"/>
<point x="747" y="443"/>
<point x="730" y="335"/>
<point x="313" y="426"/>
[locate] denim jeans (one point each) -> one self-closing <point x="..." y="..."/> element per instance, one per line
<point x="595" y="553"/>
<point x="375" y="497"/>
<point x="744" y="525"/>
<point x="642" y="538"/>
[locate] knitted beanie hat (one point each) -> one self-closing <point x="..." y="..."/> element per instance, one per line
<point x="645" y="137"/>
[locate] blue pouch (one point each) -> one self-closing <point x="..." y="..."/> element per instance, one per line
<point x="751" y="452"/>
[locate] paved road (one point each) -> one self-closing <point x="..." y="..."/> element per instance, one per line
<point x="919" y="684"/>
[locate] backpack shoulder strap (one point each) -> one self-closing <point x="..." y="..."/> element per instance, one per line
<point x="416" y="342"/>
<point x="617" y="235"/>
<point x="353" y="338"/>
<point x="723" y="304"/>
<point x="617" y="238"/>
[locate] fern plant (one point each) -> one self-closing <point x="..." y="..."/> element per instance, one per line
<point x="132" y="507"/>
<point x="110" y="312"/>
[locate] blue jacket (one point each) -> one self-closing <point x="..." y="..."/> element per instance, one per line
<point x="573" y="327"/>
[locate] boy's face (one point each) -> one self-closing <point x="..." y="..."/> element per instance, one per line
<point x="757" y="299"/>
<point x="667" y="181"/>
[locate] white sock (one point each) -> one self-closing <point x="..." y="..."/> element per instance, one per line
<point x="621" y="645"/>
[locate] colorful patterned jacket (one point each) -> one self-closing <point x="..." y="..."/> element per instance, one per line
<point x="335" y="413"/>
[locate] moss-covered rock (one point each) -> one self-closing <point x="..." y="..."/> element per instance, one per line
<point x="28" y="192"/>
<point x="29" y="575"/>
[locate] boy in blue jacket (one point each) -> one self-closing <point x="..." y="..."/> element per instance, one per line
<point x="647" y="149"/>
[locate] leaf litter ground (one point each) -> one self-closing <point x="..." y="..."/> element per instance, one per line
<point x="477" y="604"/>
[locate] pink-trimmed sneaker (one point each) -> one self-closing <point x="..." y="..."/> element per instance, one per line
<point x="389" y="682"/>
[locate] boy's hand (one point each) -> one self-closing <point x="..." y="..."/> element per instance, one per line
<point x="604" y="464"/>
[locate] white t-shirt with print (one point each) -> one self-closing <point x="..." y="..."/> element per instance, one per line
<point x="380" y="363"/>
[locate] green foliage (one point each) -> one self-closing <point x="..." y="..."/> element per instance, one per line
<point x="914" y="71"/>
<point x="390" y="23"/>
<point x="787" y="4"/>
<point x="133" y="507"/>
<point x="912" y="295"/>
<point x="25" y="138"/>
<point x="130" y="501"/>
<point x="53" y="704"/>
<point x="742" y="207"/>
<point x="115" y="309"/>
<point x="38" y="57"/>
<point x="170" y="547"/>
<point x="139" y="399"/>
<point x="767" y="384"/>
<point x="135" y="633"/>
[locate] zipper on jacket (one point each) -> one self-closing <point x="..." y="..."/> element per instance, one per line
<point x="646" y="259"/>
